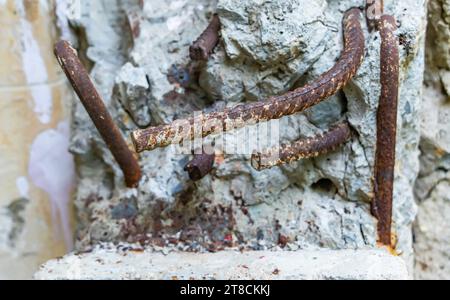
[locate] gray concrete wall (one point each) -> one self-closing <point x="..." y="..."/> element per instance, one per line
<point x="136" y="51"/>
<point x="432" y="230"/>
<point x="138" y="57"/>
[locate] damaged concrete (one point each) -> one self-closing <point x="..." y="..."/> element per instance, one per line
<point x="145" y="75"/>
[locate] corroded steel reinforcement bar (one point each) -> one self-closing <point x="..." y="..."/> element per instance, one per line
<point x="374" y="11"/>
<point x="273" y="108"/>
<point x="208" y="40"/>
<point x="386" y="129"/>
<point x="93" y="103"/>
<point x="200" y="166"/>
<point x="304" y="148"/>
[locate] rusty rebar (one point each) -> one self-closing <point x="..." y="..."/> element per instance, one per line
<point x="386" y="129"/>
<point x="207" y="41"/>
<point x="374" y="11"/>
<point x="93" y="103"/>
<point x="200" y="166"/>
<point x="273" y="108"/>
<point x="303" y="148"/>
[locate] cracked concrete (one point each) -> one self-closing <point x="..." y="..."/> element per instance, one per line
<point x="137" y="52"/>
<point x="265" y="49"/>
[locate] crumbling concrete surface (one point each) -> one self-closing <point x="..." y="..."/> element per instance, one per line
<point x="139" y="53"/>
<point x="115" y="264"/>
<point x="432" y="230"/>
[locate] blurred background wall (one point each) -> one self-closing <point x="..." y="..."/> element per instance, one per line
<point x="37" y="173"/>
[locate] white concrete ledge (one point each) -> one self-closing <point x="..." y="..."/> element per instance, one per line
<point x="229" y="265"/>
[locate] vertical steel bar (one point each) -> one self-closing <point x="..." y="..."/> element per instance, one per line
<point x="386" y="129"/>
<point x="94" y="105"/>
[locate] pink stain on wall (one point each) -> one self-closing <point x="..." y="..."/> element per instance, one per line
<point x="52" y="169"/>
